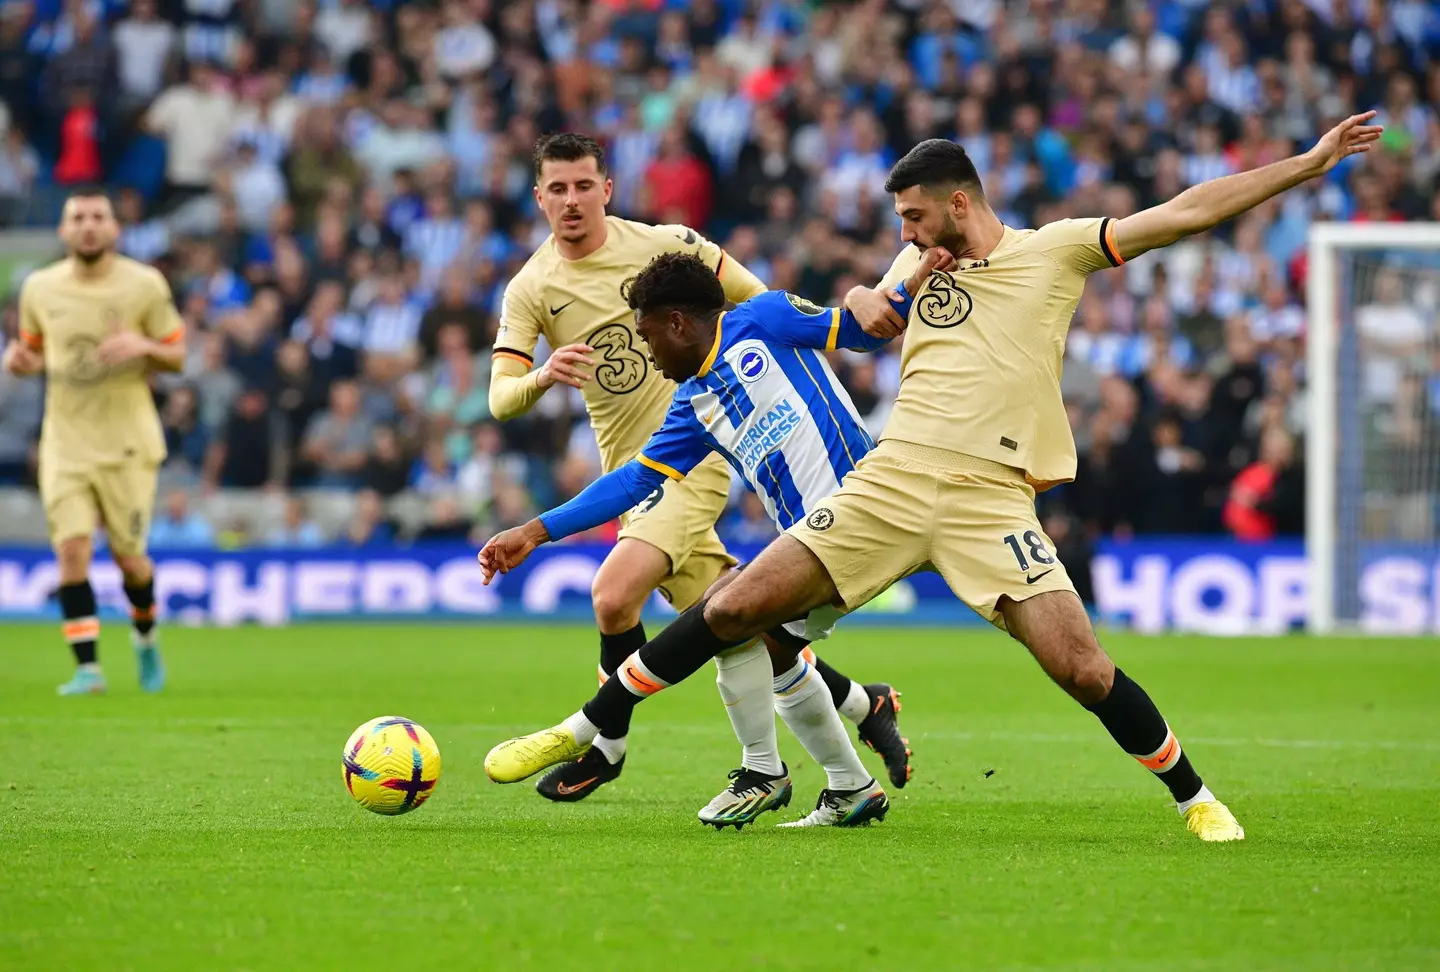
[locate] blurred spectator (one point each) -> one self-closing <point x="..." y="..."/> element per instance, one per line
<point x="178" y="527"/>
<point x="337" y="440"/>
<point x="1257" y="505"/>
<point x="298" y="531"/>
<point x="143" y="43"/>
<point x="247" y="452"/>
<point x="79" y="162"/>
<point x="453" y="307"/>
<point x="194" y="118"/>
<point x="187" y="440"/>
<point x="386" y="471"/>
<point x="368" y="525"/>
<point x="19" y="169"/>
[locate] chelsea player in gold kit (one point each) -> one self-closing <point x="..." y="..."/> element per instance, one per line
<point x="96" y="324"/>
<point x="978" y="427"/>
<point x="571" y="293"/>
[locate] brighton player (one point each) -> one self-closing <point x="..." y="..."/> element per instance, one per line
<point x="755" y="390"/>
<point x="570" y="292"/>
<point x="978" y="426"/>
<point x="96" y="324"/>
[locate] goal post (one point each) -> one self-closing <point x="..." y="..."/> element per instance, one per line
<point x="1372" y="441"/>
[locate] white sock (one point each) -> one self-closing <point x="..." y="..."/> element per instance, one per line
<point x="1204" y="796"/>
<point x="585" y="731"/>
<point x="805" y="704"/>
<point x="743" y="676"/>
<point x="857" y="704"/>
<point x="612" y="749"/>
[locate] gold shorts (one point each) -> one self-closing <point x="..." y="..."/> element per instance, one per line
<point x="122" y="497"/>
<point x="908" y="507"/>
<point x="678" y="519"/>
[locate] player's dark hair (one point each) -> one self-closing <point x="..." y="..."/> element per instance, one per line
<point x="675" y="281"/>
<point x="568" y="147"/>
<point x="935" y="164"/>
<point x="90" y="192"/>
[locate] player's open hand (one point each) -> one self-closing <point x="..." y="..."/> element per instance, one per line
<point x="1351" y="137"/>
<point x="507" y="550"/>
<point x="874" y="313"/>
<point x="122" y="346"/>
<point x="567" y="366"/>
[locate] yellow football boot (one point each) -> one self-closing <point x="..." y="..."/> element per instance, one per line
<point x="1213" y="821"/>
<point x="515" y="759"/>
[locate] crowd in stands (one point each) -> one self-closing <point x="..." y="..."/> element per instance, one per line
<point x="338" y="191"/>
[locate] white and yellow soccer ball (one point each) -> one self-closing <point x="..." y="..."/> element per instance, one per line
<point x="391" y="765"/>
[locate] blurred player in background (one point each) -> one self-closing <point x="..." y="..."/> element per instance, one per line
<point x="570" y="291"/>
<point x="96" y="324"/>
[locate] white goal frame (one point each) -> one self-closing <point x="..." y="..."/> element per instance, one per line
<point x="1322" y="299"/>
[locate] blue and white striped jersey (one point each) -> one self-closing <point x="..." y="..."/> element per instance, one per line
<point x="768" y="402"/>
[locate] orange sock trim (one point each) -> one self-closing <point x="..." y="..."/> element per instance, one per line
<point x="81" y="629"/>
<point x="142" y="614"/>
<point x="637" y="678"/>
<point x="1165" y="757"/>
<point x="808" y="654"/>
<point x="600" y="673"/>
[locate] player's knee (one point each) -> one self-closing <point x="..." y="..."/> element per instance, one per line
<point x="1091" y="678"/>
<point x="134" y="568"/>
<point x="616" y="609"/>
<point x="74" y="559"/>
<point x="782" y="656"/>
<point x="732" y="618"/>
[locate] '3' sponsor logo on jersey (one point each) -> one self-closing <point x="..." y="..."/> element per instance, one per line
<point x="944" y="303"/>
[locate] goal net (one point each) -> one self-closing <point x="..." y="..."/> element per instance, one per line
<point x="1372" y="447"/>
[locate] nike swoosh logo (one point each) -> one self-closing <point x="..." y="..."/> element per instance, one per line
<point x="555" y="311"/>
<point x="689" y="237"/>
<point x="705" y="419"/>
<point x="564" y="790"/>
<point x="1031" y="580"/>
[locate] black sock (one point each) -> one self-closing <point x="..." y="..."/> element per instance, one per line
<point x="1141" y="731"/>
<point x="614" y="649"/>
<point x="676" y="653"/>
<point x="81" y="627"/>
<point x="836" y="682"/>
<point x="142" y="604"/>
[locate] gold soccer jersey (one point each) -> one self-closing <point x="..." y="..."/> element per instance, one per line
<point x="981" y="361"/>
<point x="580" y="301"/>
<point x="96" y="415"/>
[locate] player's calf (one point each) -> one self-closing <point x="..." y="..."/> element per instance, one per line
<point x="81" y="629"/>
<point x="1057" y="631"/>
<point x="139" y="581"/>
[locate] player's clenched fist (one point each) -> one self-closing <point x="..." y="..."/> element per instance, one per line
<point x="21" y="361"/>
<point x="873" y="307"/>
<point x="505" y="551"/>
<point x="567" y="366"/>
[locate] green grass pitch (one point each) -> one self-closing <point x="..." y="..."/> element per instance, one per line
<point x="208" y="828"/>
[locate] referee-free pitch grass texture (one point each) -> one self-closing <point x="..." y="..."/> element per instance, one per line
<point x="208" y="827"/>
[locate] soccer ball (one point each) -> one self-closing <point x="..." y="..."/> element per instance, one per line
<point x="390" y="765"/>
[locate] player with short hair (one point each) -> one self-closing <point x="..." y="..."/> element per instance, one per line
<point x="570" y="291"/>
<point x="977" y="428"/>
<point x="96" y="324"/>
<point x="754" y="390"/>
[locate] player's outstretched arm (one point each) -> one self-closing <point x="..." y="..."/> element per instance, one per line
<point x="124" y="346"/>
<point x="600" y="502"/>
<point x="1209" y="204"/>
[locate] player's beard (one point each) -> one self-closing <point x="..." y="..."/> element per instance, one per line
<point x="91" y="256"/>
<point x="950" y="236"/>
